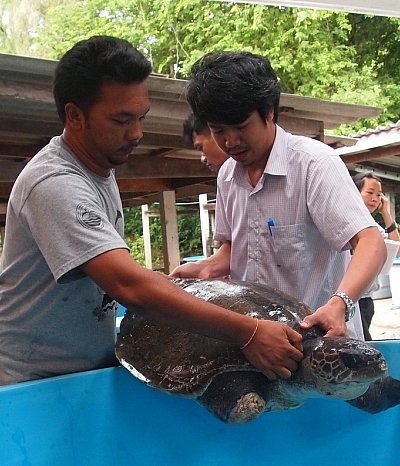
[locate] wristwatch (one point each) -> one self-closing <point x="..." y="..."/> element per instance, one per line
<point x="350" y="306"/>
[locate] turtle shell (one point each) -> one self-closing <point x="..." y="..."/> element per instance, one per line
<point x="185" y="363"/>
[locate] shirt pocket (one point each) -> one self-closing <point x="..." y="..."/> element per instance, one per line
<point x="292" y="256"/>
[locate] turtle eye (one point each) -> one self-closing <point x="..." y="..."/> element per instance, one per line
<point x="352" y="361"/>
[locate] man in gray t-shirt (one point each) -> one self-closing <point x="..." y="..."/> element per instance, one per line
<point x="65" y="262"/>
<point x="43" y="289"/>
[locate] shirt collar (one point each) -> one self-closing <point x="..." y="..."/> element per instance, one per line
<point x="277" y="163"/>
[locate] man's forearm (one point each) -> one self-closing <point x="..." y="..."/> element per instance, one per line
<point x="367" y="260"/>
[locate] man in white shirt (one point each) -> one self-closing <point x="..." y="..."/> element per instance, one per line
<point x="287" y="212"/>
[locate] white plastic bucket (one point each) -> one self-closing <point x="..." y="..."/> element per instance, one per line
<point x="392" y="248"/>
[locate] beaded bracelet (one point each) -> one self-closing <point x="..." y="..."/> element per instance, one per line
<point x="391" y="228"/>
<point x="252" y="336"/>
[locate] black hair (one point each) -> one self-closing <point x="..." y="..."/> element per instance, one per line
<point x="92" y="62"/>
<point x="192" y="123"/>
<point x="360" y="178"/>
<point x="226" y="87"/>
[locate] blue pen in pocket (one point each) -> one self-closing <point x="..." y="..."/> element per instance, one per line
<point x="270" y="224"/>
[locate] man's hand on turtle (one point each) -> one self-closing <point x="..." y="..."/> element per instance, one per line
<point x="330" y="318"/>
<point x="275" y="350"/>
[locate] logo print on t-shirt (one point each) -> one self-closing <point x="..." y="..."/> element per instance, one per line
<point x="118" y="218"/>
<point x="108" y="305"/>
<point x="88" y="217"/>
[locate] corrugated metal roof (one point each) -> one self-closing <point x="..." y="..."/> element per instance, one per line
<point x="388" y="128"/>
<point x="377" y="150"/>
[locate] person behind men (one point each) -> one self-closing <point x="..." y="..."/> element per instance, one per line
<point x="370" y="187"/>
<point x="287" y="210"/>
<point x="198" y="134"/>
<point x="65" y="263"/>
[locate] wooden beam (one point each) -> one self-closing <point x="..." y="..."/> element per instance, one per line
<point x="10" y="169"/>
<point x="144" y="166"/>
<point x="184" y="192"/>
<point x="3" y="210"/>
<point x="5" y="190"/>
<point x="313" y="109"/>
<point x="371" y="154"/>
<point x="20" y="151"/>
<point x="147" y="185"/>
<point x="299" y="126"/>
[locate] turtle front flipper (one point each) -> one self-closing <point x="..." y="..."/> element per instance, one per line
<point x="381" y="395"/>
<point x="236" y="397"/>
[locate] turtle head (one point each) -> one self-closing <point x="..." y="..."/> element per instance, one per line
<point x="339" y="367"/>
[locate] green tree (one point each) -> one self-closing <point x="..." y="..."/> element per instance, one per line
<point x="188" y="227"/>
<point x="19" y="22"/>
<point x="384" y="59"/>
<point x="134" y="235"/>
<point x="189" y="231"/>
<point x="316" y="53"/>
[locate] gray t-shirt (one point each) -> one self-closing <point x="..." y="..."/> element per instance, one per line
<point x="54" y="319"/>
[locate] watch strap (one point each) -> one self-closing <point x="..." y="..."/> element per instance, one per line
<point x="350" y="306"/>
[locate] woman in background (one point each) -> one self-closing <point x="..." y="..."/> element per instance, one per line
<point x="370" y="187"/>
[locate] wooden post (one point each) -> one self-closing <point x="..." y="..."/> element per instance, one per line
<point x="146" y="236"/>
<point x="204" y="224"/>
<point x="169" y="225"/>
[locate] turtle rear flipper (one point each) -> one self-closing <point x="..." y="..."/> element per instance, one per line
<point x="247" y="408"/>
<point x="381" y="395"/>
<point x="236" y="397"/>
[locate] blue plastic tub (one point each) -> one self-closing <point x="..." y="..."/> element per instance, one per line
<point x="107" y="418"/>
<point x="192" y="258"/>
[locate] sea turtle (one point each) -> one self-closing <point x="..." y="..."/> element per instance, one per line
<point x="217" y="374"/>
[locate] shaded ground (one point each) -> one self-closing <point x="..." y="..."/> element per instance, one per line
<point x="385" y="324"/>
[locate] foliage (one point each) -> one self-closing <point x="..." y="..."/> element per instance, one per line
<point x="330" y="55"/>
<point x="134" y="236"/>
<point x="19" y="21"/>
<point x="136" y="248"/>
<point x="188" y="227"/>
<point x="189" y="232"/>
